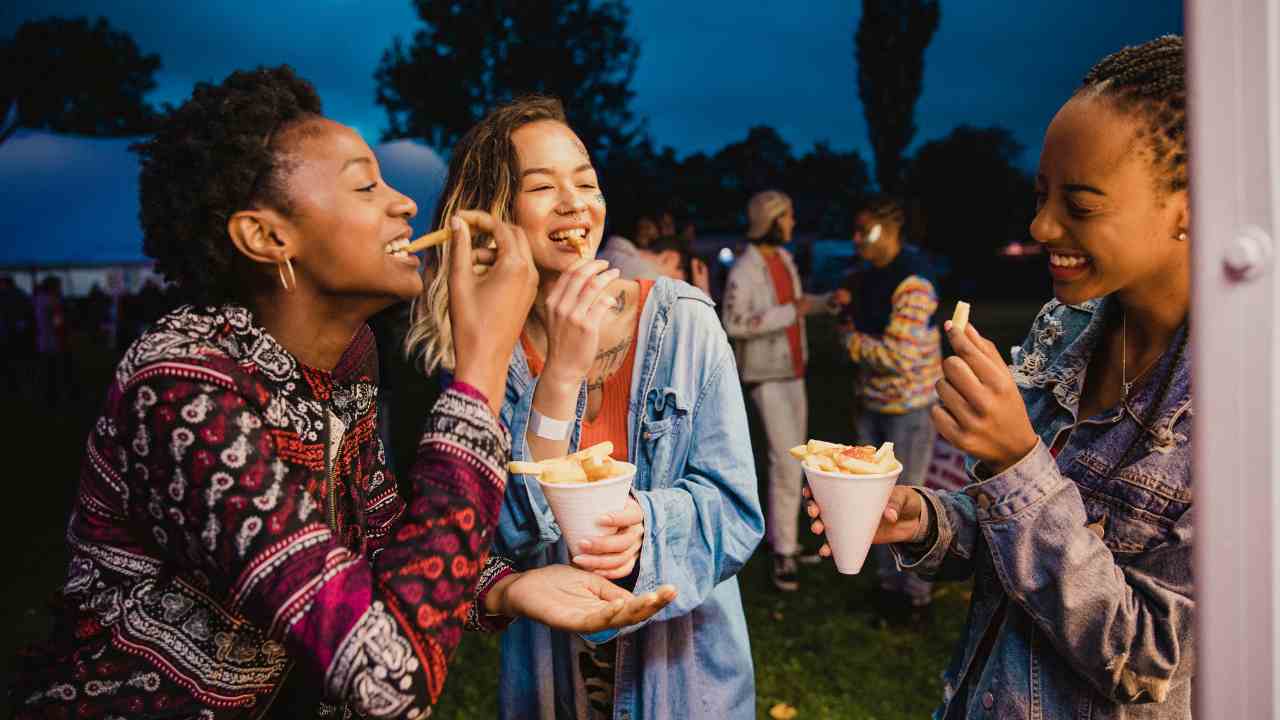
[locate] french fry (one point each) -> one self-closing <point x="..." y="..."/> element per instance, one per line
<point x="960" y="318"/>
<point x="563" y="471"/>
<point x="518" y="467"/>
<point x="587" y="465"/>
<point x="848" y="459"/>
<point x="431" y="239"/>
<point x="598" y="450"/>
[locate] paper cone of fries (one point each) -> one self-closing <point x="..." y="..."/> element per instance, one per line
<point x="578" y="505"/>
<point x="852" y="503"/>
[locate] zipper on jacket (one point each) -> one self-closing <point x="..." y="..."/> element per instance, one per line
<point x="332" y="455"/>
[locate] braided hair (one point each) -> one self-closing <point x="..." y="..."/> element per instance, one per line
<point x="1150" y="80"/>
<point x="217" y="154"/>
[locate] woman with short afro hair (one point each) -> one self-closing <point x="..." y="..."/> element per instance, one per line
<point x="238" y="547"/>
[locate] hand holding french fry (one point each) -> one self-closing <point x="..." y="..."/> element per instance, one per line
<point x="980" y="410"/>
<point x="483" y="341"/>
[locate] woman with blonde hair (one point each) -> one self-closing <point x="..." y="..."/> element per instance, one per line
<point x="644" y="365"/>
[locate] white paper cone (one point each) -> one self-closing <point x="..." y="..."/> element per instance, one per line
<point x="851" y="509"/>
<point x="577" y="506"/>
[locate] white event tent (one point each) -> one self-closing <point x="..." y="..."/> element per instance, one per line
<point x="70" y="206"/>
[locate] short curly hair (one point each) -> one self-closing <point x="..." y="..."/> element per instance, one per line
<point x="215" y="155"/>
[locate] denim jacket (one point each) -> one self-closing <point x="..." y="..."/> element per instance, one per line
<point x="1082" y="570"/>
<point x="696" y="483"/>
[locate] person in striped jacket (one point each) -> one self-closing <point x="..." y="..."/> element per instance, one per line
<point x="893" y="342"/>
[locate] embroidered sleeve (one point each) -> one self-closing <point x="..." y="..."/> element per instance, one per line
<point x="908" y="337"/>
<point x="222" y="479"/>
<point x="496" y="568"/>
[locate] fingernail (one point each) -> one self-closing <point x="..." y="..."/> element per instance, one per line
<point x="578" y="559"/>
<point x="947" y="326"/>
<point x="585" y="545"/>
<point x="455" y="223"/>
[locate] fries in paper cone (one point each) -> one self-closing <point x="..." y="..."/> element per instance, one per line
<point x="585" y="466"/>
<point x="852" y="459"/>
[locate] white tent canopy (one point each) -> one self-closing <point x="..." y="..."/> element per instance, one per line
<point x="71" y="202"/>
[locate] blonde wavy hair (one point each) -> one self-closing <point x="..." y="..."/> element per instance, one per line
<point x="484" y="174"/>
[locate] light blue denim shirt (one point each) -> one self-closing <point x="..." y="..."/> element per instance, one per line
<point x="696" y="482"/>
<point x="1081" y="563"/>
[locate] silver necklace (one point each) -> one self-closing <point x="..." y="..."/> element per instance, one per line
<point x="1125" y="383"/>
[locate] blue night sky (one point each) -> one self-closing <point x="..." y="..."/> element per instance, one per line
<point x="708" y="70"/>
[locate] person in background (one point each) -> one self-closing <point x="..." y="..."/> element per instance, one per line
<point x="645" y="366"/>
<point x="896" y="350"/>
<point x="763" y="313"/>
<point x="237" y="546"/>
<point x="1078" y="526"/>
<point x="666" y="222"/>
<point x="52" y="345"/>
<point x="667" y="256"/>
<point x="17" y="336"/>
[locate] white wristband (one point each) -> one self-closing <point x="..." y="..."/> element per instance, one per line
<point x="548" y="428"/>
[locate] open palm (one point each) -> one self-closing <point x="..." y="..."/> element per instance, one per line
<point x="566" y="598"/>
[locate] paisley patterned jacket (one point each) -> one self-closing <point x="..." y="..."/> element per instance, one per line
<point x="237" y="521"/>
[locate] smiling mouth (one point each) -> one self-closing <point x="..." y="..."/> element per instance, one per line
<point x="576" y="238"/>
<point x="397" y="247"/>
<point x="1067" y="267"/>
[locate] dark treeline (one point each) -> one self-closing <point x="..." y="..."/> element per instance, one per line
<point x="966" y="193"/>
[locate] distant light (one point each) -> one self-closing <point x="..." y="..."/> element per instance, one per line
<point x="725" y="256"/>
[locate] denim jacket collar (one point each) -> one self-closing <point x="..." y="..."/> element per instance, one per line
<point x="1063" y="374"/>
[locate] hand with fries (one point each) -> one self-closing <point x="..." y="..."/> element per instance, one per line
<point x="980" y="410"/>
<point x="483" y="340"/>
<point x="613" y="555"/>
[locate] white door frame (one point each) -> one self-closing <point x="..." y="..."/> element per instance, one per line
<point x="1235" y="136"/>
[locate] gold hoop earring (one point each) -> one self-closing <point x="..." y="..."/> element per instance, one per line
<point x="294" y="278"/>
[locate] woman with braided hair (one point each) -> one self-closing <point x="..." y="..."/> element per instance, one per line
<point x="238" y="545"/>
<point x="1077" y="528"/>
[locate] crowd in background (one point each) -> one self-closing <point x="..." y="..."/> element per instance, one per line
<point x="41" y="333"/>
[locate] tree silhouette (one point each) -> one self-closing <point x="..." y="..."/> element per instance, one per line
<point x="73" y="76"/>
<point x="826" y="185"/>
<point x="973" y="197"/>
<point x="889" y="48"/>
<point x="474" y="54"/>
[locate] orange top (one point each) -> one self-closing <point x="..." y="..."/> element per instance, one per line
<point x="786" y="291"/>
<point x="611" y="422"/>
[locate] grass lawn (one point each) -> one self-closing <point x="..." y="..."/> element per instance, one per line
<point x="820" y="650"/>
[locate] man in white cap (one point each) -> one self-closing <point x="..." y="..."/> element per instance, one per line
<point x="764" y="310"/>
